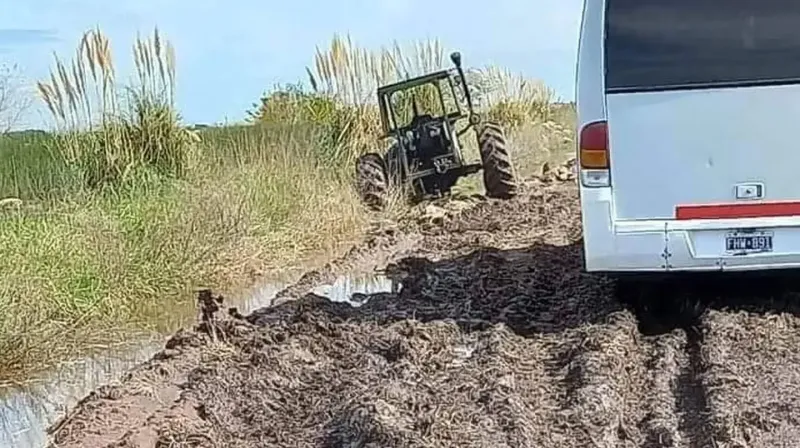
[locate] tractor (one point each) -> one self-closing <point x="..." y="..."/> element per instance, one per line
<point x="425" y="157"/>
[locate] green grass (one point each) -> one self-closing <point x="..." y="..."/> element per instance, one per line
<point x="125" y="211"/>
<point x="87" y="271"/>
<point x="30" y="170"/>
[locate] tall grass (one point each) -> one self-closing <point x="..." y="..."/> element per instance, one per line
<point x="344" y="77"/>
<point x="147" y="210"/>
<point x="515" y="100"/>
<point x="30" y="170"/>
<point x="125" y="210"/>
<point x="110" y="133"/>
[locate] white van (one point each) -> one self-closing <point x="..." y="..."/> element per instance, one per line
<point x="686" y="117"/>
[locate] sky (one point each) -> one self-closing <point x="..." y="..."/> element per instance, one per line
<point x="229" y="52"/>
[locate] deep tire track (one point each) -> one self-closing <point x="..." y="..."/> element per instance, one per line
<point x="691" y="395"/>
<point x="603" y="383"/>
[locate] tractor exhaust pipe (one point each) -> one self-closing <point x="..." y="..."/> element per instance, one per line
<point x="456" y="58"/>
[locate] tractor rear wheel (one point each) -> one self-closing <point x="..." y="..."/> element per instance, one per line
<point x="372" y="180"/>
<point x="498" y="171"/>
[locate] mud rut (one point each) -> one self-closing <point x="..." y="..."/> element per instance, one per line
<point x="496" y="340"/>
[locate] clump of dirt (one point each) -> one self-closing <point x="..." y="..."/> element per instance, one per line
<point x="495" y="339"/>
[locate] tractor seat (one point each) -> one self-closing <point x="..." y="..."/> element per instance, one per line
<point x="420" y="119"/>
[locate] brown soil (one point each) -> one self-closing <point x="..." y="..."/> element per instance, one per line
<point x="497" y="339"/>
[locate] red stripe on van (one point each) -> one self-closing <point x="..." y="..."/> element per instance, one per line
<point x="752" y="210"/>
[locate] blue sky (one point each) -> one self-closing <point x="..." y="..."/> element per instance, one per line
<point x="230" y="51"/>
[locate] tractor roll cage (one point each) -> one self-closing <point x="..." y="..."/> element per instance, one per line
<point x="385" y="93"/>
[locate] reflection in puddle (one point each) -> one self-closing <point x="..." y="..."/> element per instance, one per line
<point x="260" y="298"/>
<point x="343" y="289"/>
<point x="26" y="412"/>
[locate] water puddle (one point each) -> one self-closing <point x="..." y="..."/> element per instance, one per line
<point x="27" y="412"/>
<point x="351" y="289"/>
<point x="260" y="298"/>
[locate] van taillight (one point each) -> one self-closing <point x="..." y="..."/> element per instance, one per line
<point x="593" y="155"/>
<point x="594" y="146"/>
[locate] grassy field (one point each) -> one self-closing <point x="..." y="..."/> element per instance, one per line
<point x="125" y="210"/>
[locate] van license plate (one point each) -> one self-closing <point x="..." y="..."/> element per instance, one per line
<point x="739" y="243"/>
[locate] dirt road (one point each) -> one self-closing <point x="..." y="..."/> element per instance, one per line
<point x="497" y="339"/>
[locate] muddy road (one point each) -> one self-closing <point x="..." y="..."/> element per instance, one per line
<point x="496" y="339"/>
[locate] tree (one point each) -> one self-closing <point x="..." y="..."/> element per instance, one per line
<point x="14" y="97"/>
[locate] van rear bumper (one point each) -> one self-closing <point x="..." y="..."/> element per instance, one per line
<point x="668" y="245"/>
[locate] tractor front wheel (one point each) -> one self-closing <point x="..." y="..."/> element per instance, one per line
<point x="498" y="171"/>
<point x="372" y="180"/>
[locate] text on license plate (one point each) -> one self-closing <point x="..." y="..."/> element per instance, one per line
<point x="748" y="242"/>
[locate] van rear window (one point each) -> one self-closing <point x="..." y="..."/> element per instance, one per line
<point x="684" y="44"/>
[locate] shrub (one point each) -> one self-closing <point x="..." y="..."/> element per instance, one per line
<point x="293" y="106"/>
<point x="110" y="133"/>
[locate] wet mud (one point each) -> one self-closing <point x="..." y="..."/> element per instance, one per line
<point x="492" y="337"/>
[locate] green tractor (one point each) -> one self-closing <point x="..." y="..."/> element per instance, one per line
<point x="425" y="158"/>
